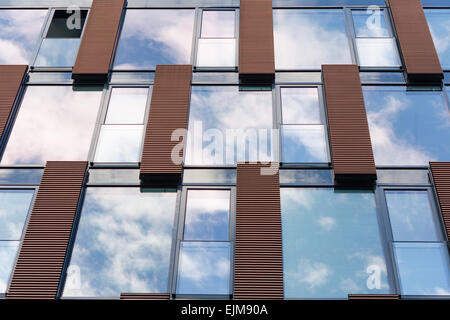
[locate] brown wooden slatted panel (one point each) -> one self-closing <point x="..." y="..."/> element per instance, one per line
<point x="351" y="148"/>
<point x="258" y="262"/>
<point x="168" y="112"/>
<point x="41" y="257"/>
<point x="99" y="38"/>
<point x="416" y="44"/>
<point x="144" y="296"/>
<point x="256" y="44"/>
<point x="11" y="77"/>
<point x="373" y="297"/>
<point x="441" y="177"/>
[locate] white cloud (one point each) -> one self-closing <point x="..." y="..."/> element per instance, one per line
<point x="327" y="223"/>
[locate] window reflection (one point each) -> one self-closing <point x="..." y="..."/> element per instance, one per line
<point x="123" y="243"/>
<point x="20" y="31"/>
<point x="151" y="37"/>
<point x="323" y="41"/>
<point x="407" y="127"/>
<point x="439" y="23"/>
<point x="331" y="244"/>
<point x="53" y="123"/>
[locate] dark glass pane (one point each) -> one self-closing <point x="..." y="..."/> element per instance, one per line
<point x="67" y="24"/>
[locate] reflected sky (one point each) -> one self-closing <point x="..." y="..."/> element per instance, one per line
<point x="304" y="143"/>
<point x="218" y="24"/>
<point x="370" y="23"/>
<point x="216" y="53"/>
<point x="439" y="23"/>
<point x="57" y="53"/>
<point x="331" y="244"/>
<point x="204" y="268"/>
<point x="207" y="215"/>
<point x="20" y="176"/>
<point x="423" y="268"/>
<point x="19" y="35"/>
<point x="378" y="52"/>
<point x="216" y="109"/>
<point x="151" y="37"/>
<point x="14" y="206"/>
<point x="316" y="177"/>
<point x="53" y="123"/>
<point x="323" y="38"/>
<point x="411" y="216"/>
<point x="127" y="106"/>
<point x="227" y="176"/>
<point x="8" y="253"/>
<point x="406" y="127"/>
<point x="300" y="106"/>
<point x="123" y="243"/>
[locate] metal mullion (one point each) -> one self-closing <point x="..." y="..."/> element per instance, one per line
<point x="101" y="115"/>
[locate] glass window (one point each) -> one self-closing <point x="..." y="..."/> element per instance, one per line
<point x="227" y="125"/>
<point x="59" y="48"/>
<point x="204" y="176"/>
<point x="127" y="106"/>
<point x="323" y="41"/>
<point x="423" y="268"/>
<point x="407" y="127"/>
<point x="374" y="41"/>
<point x="207" y="215"/>
<point x="53" y="123"/>
<point x="20" y="33"/>
<point x="217" y="43"/>
<point x="14" y="207"/>
<point x="402" y="176"/>
<point x="151" y="37"/>
<point x="303" y="134"/>
<point x="123" y="243"/>
<point x="439" y="23"/>
<point x="331" y="244"/>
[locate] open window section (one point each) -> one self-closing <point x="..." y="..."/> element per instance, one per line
<point x="20" y="31"/>
<point x="407" y="127"/>
<point x="375" y="43"/>
<point x="53" y="123"/>
<point x="151" y="37"/>
<point x="324" y="38"/>
<point x="227" y="126"/>
<point x="331" y="244"/>
<point x="123" y="243"/>
<point x="419" y="247"/>
<point x="302" y="128"/>
<point x="59" y="47"/>
<point x="217" y="43"/>
<point x="439" y="23"/>
<point x="14" y="207"/>
<point x="120" y="138"/>
<point x="204" y="262"/>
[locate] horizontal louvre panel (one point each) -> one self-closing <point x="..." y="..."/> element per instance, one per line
<point x="351" y="148"/>
<point x="11" y="77"/>
<point x="41" y="258"/>
<point x="258" y="270"/>
<point x="441" y="178"/>
<point x="168" y="112"/>
<point x="145" y="296"/>
<point x="97" y="46"/>
<point x="416" y="44"/>
<point x="256" y="43"/>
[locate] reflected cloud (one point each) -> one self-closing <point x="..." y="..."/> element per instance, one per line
<point x="439" y="23"/>
<point x="8" y="253"/>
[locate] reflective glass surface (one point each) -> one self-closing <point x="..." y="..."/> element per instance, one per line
<point x="67" y="24"/>
<point x="119" y="143"/>
<point x="306" y="177"/>
<point x="20" y="30"/>
<point x="377" y="52"/>
<point x="300" y="106"/>
<point x="53" y="123"/>
<point x="423" y="268"/>
<point x="14" y="206"/>
<point x="323" y="41"/>
<point x="216" y="53"/>
<point x="20" y="176"/>
<point x="8" y="253"/>
<point x="207" y="215"/>
<point x="407" y="127"/>
<point x="151" y="37"/>
<point x="218" y="24"/>
<point x="127" y="106"/>
<point x="304" y="143"/>
<point x="57" y="53"/>
<point x="123" y="243"/>
<point x="370" y="23"/>
<point x="226" y="176"/>
<point x="439" y="23"/>
<point x="331" y="244"/>
<point x="204" y="268"/>
<point x="222" y="120"/>
<point x="114" y="176"/>
<point x="403" y="176"/>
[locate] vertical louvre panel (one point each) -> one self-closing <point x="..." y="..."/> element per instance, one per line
<point x="97" y="46"/>
<point x="41" y="257"/>
<point x="441" y="178"/>
<point x="416" y="44"/>
<point x="256" y="44"/>
<point x="351" y="147"/>
<point x="168" y="112"/>
<point x="258" y="262"/>
<point x="144" y="296"/>
<point x="11" y="77"/>
<point x="373" y="297"/>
